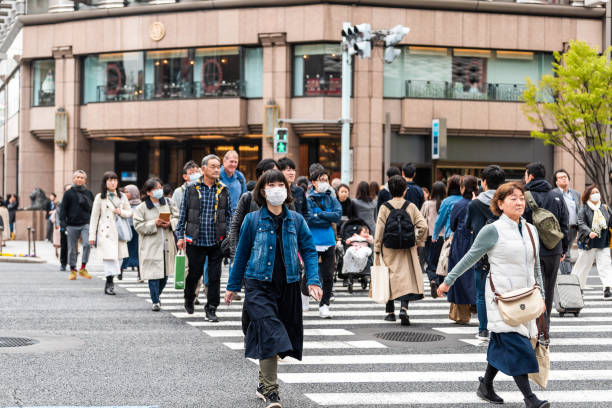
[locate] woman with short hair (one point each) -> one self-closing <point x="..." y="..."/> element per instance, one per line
<point x="267" y="260"/>
<point x="594" y="223"/>
<point x="512" y="247"/>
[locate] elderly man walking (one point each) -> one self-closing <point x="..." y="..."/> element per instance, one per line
<point x="74" y="219"/>
<point x="232" y="178"/>
<point x="204" y="222"/>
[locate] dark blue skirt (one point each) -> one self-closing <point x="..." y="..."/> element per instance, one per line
<point x="273" y="320"/>
<point x="512" y="354"/>
<point x="132" y="261"/>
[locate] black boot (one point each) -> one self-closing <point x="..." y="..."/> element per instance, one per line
<point x="109" y="288"/>
<point x="607" y="293"/>
<point x="211" y="314"/>
<point x="120" y="276"/>
<point x="189" y="305"/>
<point x="487" y="393"/>
<point x="533" y="402"/>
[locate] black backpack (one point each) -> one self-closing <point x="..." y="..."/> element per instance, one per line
<point x="399" y="229"/>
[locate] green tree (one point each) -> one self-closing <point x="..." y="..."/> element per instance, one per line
<point x="572" y="109"/>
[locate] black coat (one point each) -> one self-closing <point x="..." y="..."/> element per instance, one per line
<point x="585" y="221"/>
<point x="76" y="207"/>
<point x="552" y="200"/>
<point x="478" y="215"/>
<point x="415" y="194"/>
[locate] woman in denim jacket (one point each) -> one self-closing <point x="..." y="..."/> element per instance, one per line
<point x="266" y="257"/>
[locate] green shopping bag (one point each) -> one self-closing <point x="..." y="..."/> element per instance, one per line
<point x="179" y="271"/>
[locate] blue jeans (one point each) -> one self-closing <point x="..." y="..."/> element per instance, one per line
<point x="156" y="287"/>
<point x="480" y="280"/>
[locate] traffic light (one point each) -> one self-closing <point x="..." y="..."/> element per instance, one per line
<point x="281" y="140"/>
<point x="393" y="38"/>
<point x="358" y="40"/>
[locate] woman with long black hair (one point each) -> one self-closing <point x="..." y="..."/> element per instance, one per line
<point x="267" y="259"/>
<point x="432" y="249"/>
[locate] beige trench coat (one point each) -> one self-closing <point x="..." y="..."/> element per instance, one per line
<point x="152" y="250"/>
<point x="104" y="224"/>
<point x="405" y="274"/>
<point x="6" y="235"/>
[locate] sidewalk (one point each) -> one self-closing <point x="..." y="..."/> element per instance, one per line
<point x="46" y="251"/>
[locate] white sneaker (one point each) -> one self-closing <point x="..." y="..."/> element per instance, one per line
<point x="156" y="307"/>
<point x="305" y="303"/>
<point x="324" y="312"/>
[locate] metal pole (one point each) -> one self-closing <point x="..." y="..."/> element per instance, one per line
<point x="387" y="143"/>
<point x="34" y="241"/>
<point x="345" y="162"/>
<point x="29" y="231"/>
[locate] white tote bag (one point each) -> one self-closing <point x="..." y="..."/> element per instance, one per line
<point x="380" y="290"/>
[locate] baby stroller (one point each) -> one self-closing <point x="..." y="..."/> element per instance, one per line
<point x="349" y="228"/>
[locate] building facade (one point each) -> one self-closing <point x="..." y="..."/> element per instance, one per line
<point x="142" y="87"/>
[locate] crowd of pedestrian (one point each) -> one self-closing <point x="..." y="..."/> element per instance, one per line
<point x="287" y="239"/>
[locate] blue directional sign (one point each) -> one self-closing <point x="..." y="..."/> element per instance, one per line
<point x="438" y="139"/>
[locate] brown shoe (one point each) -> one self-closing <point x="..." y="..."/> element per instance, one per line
<point x="83" y="272"/>
<point x="73" y="274"/>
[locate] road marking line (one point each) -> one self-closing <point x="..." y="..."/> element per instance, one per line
<point x="579" y="341"/>
<point x="554" y="329"/>
<point x="331" y="322"/>
<point x="307" y="332"/>
<point x="316" y="345"/>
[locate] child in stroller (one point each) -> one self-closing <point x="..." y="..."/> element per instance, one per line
<point x="357" y="243"/>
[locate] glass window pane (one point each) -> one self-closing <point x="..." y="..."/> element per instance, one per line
<point x="113" y="77"/>
<point x="317" y="70"/>
<point x="217" y="72"/>
<point x="13" y="95"/>
<point x="169" y="74"/>
<point x="253" y="72"/>
<point x="43" y="76"/>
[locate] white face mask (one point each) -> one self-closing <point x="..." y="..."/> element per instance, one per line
<point x="595" y="197"/>
<point x="276" y="195"/>
<point x="323" y="187"/>
<point x="158" y="193"/>
<point x="194" y="177"/>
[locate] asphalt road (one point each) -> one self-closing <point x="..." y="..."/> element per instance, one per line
<point x="97" y="350"/>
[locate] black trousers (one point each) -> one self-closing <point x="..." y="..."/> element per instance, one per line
<point x="197" y="256"/>
<point x="63" y="248"/>
<point x="390" y="306"/>
<point x="550" y="266"/>
<point x="326" y="273"/>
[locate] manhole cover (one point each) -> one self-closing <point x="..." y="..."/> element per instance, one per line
<point x="16" y="342"/>
<point x="410" y="337"/>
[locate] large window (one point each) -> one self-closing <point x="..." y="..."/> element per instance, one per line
<point x="429" y="72"/>
<point x="13" y="96"/>
<point x="317" y="70"/>
<point x="113" y="77"/>
<point x="174" y="74"/>
<point x="43" y="76"/>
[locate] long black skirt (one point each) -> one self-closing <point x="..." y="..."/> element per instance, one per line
<point x="272" y="320"/>
<point x="512" y="354"/>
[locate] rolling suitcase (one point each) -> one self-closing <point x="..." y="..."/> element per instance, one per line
<point x="568" y="296"/>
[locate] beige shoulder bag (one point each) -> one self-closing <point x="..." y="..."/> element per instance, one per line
<point x="521" y="305"/>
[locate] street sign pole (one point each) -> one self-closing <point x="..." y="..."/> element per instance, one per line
<point x="345" y="162"/>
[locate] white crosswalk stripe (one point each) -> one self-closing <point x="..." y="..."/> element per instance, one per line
<point x="344" y="360"/>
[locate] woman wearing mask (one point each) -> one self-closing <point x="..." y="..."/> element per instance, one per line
<point x="594" y="222"/>
<point x="157" y="248"/>
<point x="348" y="209"/>
<point x="511" y="245"/>
<point x="462" y="295"/>
<point x="266" y="258"/>
<point x="108" y="205"/>
<point x="365" y="207"/>
<point x="133" y="195"/>
<point x="325" y="210"/>
<point x="432" y="248"/>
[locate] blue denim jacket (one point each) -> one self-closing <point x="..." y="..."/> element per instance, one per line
<point x="257" y="245"/>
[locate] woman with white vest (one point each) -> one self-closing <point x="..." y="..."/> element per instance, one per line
<point x="511" y="246"/>
<point x="108" y="205"/>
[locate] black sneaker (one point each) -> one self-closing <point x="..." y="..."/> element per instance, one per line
<point x="535" y="402"/>
<point x="211" y="316"/>
<point x="434" y="289"/>
<point x="607" y="293"/>
<point x="390" y="317"/>
<point x="483" y="335"/>
<point x="273" y="400"/>
<point x="404" y="317"/>
<point x="487" y="393"/>
<point x="62" y="268"/>
<point x="260" y="392"/>
<point x="189" y="306"/>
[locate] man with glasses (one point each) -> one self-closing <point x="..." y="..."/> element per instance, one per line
<point x="324" y="210"/>
<point x="571" y="197"/>
<point x="203" y="224"/>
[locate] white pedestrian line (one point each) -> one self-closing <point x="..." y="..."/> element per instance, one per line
<point x="178" y="298"/>
<point x="429" y="376"/>
<point x="312" y="345"/>
<point x="332" y="322"/>
<point x="307" y="332"/>
<point x="443" y="308"/>
<point x="315" y="313"/>
<point x="374" y="359"/>
<point x="451" y="398"/>
<point x="579" y="341"/>
<point x="554" y="329"/>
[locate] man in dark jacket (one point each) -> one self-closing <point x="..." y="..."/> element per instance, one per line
<point x="562" y="179"/>
<point x="414" y="193"/>
<point x="479" y="214"/>
<point x="203" y="224"/>
<point x="552" y="200"/>
<point x="74" y="221"/>
<point x="384" y="195"/>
